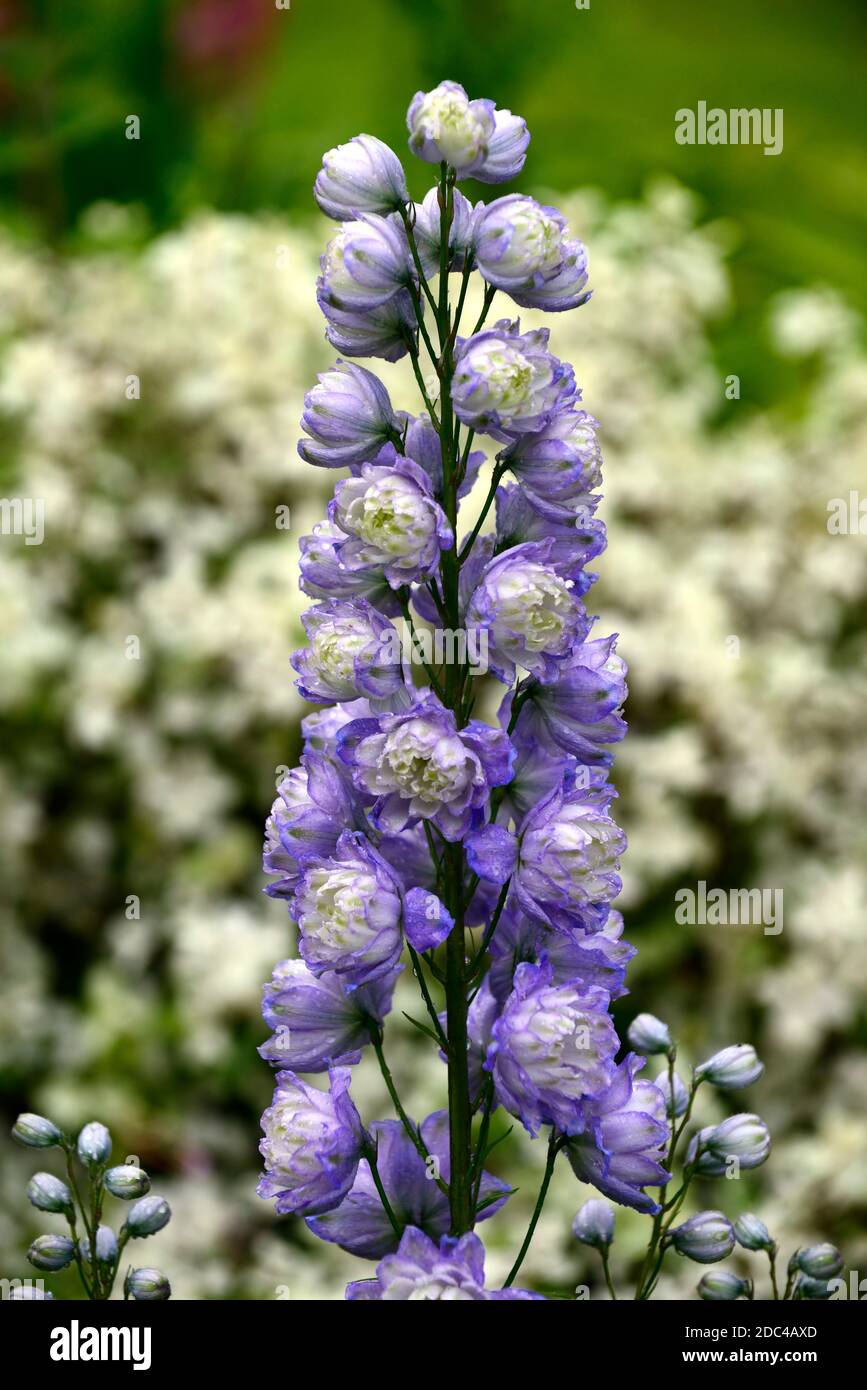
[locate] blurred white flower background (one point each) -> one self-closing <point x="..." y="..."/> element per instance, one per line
<point x="150" y="395"/>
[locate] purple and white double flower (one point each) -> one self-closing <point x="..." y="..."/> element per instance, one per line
<point x="418" y="765"/>
<point x="506" y="383"/>
<point x="529" y="614"/>
<point x="393" y="523"/>
<point x="352" y="914"/>
<point x="348" y="417"/>
<point x="474" y="137"/>
<point x="569" y="855"/>
<point x="524" y="248"/>
<point x="317" y="1021"/>
<point x="552" y="1049"/>
<point x="451" y="1270"/>
<point x="312" y="1146"/>
<point x="354" y="653"/>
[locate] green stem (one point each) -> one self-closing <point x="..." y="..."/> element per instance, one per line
<point x="492" y="492"/>
<point x="411" y="1130"/>
<point x="772" y="1257"/>
<point x="370" y="1155"/>
<point x="429" y="1004"/>
<point x="607" y="1269"/>
<point x="478" y="959"/>
<point x="554" y="1146"/>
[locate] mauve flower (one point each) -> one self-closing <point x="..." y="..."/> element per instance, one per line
<point x="383" y="331"/>
<point x="444" y="125"/>
<point x="427" y="232"/>
<point x="348" y="416"/>
<point x="321" y="728"/>
<point x="507" y="149"/>
<point x="560" y="464"/>
<point x="354" y="652"/>
<point x="553" y="1049"/>
<point x="522" y="247"/>
<point x="365" y="264"/>
<point x="349" y="909"/>
<point x="535" y="774"/>
<point x="317" y="1022"/>
<point x="570" y="853"/>
<point x="394" y="524"/>
<point x="314" y="804"/>
<point x="312" y="1146"/>
<point x="360" y="1225"/>
<point x="361" y="176"/>
<point x="451" y="1271"/>
<point x="323" y="575"/>
<point x="621" y="1148"/>
<point x="574" y="540"/>
<point x="530" y="615"/>
<point x="506" y="383"/>
<point x="579" y="711"/>
<point x="417" y="765"/>
<point x="598" y="959"/>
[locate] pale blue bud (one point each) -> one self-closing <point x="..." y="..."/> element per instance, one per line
<point x="51" y="1252"/>
<point x="127" y="1181"/>
<point x="732" y="1068"/>
<point x="94" y="1145"/>
<point x="147" y="1285"/>
<point x="106" y="1246"/>
<point x="722" y="1286"/>
<point x="594" y="1224"/>
<point x="649" y="1035"/>
<point x="147" y="1216"/>
<point x="752" y="1233"/>
<point x="744" y="1138"/>
<point x="819" y="1261"/>
<point x="35" y="1132"/>
<point x="681" y="1095"/>
<point x="48" y="1193"/>
<point x="705" y="1238"/>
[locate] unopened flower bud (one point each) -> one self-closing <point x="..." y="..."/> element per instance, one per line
<point x="147" y="1216"/>
<point x="813" y="1290"/>
<point x="752" y="1233"/>
<point x="743" y="1138"/>
<point x="649" y="1035"/>
<point x="732" y="1068"/>
<point x="94" y="1145"/>
<point x="27" y="1293"/>
<point x="705" y="1238"/>
<point x="51" y="1252"/>
<point x="819" y="1261"/>
<point x="106" y="1246"/>
<point x="35" y="1132"/>
<point x="48" y="1193"/>
<point x="594" y="1224"/>
<point x="675" y="1107"/>
<point x="147" y="1285"/>
<point x="722" y="1286"/>
<point x="127" y="1181"/>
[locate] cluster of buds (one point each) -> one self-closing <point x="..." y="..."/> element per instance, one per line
<point x="93" y="1246"/>
<point x="740" y="1142"/>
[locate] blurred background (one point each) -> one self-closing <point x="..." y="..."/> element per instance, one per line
<point x="158" y="329"/>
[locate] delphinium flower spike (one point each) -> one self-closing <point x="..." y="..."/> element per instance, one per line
<point x="484" y="855"/>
